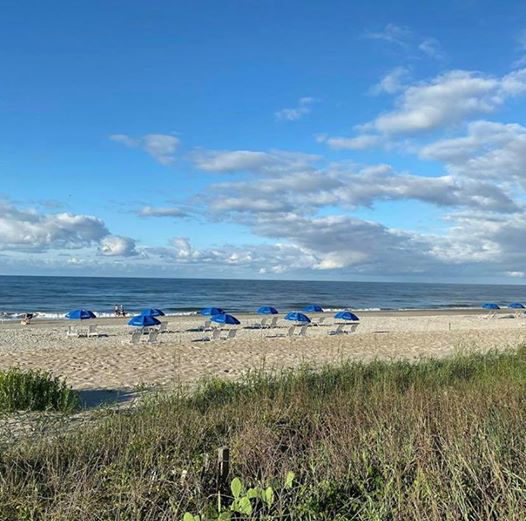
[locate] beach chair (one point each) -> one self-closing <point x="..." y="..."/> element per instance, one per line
<point x="338" y="331"/>
<point x="163" y="327"/>
<point x="70" y="332"/>
<point x="231" y="334"/>
<point x="489" y="315"/>
<point x="216" y="335"/>
<point x="303" y="331"/>
<point x="319" y="322"/>
<point x="92" y="331"/>
<point x="272" y="323"/>
<point x="353" y="328"/>
<point x="134" y="338"/>
<point x="262" y="324"/>
<point x="290" y="331"/>
<point x="206" y="325"/>
<point x="152" y="337"/>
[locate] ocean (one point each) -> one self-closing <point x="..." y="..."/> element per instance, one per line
<point x="51" y="297"/>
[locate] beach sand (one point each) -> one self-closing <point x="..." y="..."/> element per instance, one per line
<point x="108" y="363"/>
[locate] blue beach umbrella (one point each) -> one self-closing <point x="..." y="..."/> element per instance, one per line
<point x="80" y="314"/>
<point x="267" y="310"/>
<point x="516" y="305"/>
<point x="143" y="321"/>
<point x="490" y="305"/>
<point x="212" y="311"/>
<point x="313" y="308"/>
<point x="297" y="317"/>
<point x="224" y="318"/>
<point x="152" y="312"/>
<point x="346" y="315"/>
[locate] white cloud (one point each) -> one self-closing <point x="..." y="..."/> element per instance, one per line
<point x="353" y="143"/>
<point x="353" y="187"/>
<point x="496" y="241"/>
<point x="341" y="242"/>
<point x="117" y="246"/>
<point x="447" y="99"/>
<point x="303" y="108"/>
<point x="161" y="147"/>
<point x="153" y="211"/>
<point x="391" y="33"/>
<point x="491" y="150"/>
<point x="516" y="274"/>
<point x="431" y="47"/>
<point x="226" y="161"/>
<point x="29" y="230"/>
<point x="392" y="82"/>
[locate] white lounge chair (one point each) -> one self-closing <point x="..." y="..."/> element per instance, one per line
<point x="353" y="328"/>
<point x="272" y="323"/>
<point x="152" y="337"/>
<point x="92" y="330"/>
<point x="70" y="332"/>
<point x="134" y="338"/>
<point x="206" y="325"/>
<point x="303" y="331"/>
<point x="290" y="331"/>
<point x="338" y="331"/>
<point x="262" y="324"/>
<point x="162" y="327"/>
<point x="318" y="322"/>
<point x="231" y="335"/>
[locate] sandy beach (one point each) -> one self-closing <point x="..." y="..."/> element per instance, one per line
<point x="110" y="363"/>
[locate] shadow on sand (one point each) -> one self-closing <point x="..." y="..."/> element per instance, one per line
<point x="90" y="398"/>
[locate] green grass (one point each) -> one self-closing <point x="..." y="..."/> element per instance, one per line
<point x="433" y="440"/>
<point x="35" y="391"/>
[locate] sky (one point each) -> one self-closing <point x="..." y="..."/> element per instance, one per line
<point x="265" y="139"/>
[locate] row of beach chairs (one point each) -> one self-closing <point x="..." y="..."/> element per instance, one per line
<point x="270" y="323"/>
<point x="216" y="335"/>
<point x="139" y="336"/>
<point x="90" y="331"/>
<point x="266" y="323"/>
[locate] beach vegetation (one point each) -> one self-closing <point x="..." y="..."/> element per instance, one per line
<point x="425" y="440"/>
<point x="31" y="390"/>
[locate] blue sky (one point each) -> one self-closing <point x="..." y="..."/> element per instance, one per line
<point x="299" y="139"/>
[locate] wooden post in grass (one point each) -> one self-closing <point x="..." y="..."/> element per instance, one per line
<point x="223" y="470"/>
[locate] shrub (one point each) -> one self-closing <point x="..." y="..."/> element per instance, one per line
<point x="35" y="391"/>
<point x="434" y="440"/>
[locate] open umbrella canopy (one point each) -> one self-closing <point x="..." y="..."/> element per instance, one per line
<point x="152" y="312"/>
<point x="224" y="318"/>
<point x="516" y="305"/>
<point x="346" y="315"/>
<point x="267" y="310"/>
<point x="212" y="311"/>
<point x="143" y="321"/>
<point x="80" y="314"/>
<point x="490" y="305"/>
<point x="313" y="308"/>
<point x="297" y="317"/>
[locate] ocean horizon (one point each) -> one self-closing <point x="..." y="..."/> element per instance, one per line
<point x="52" y="296"/>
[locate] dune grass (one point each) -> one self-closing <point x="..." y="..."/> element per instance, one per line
<point x="433" y="440"/>
<point x="35" y="391"/>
